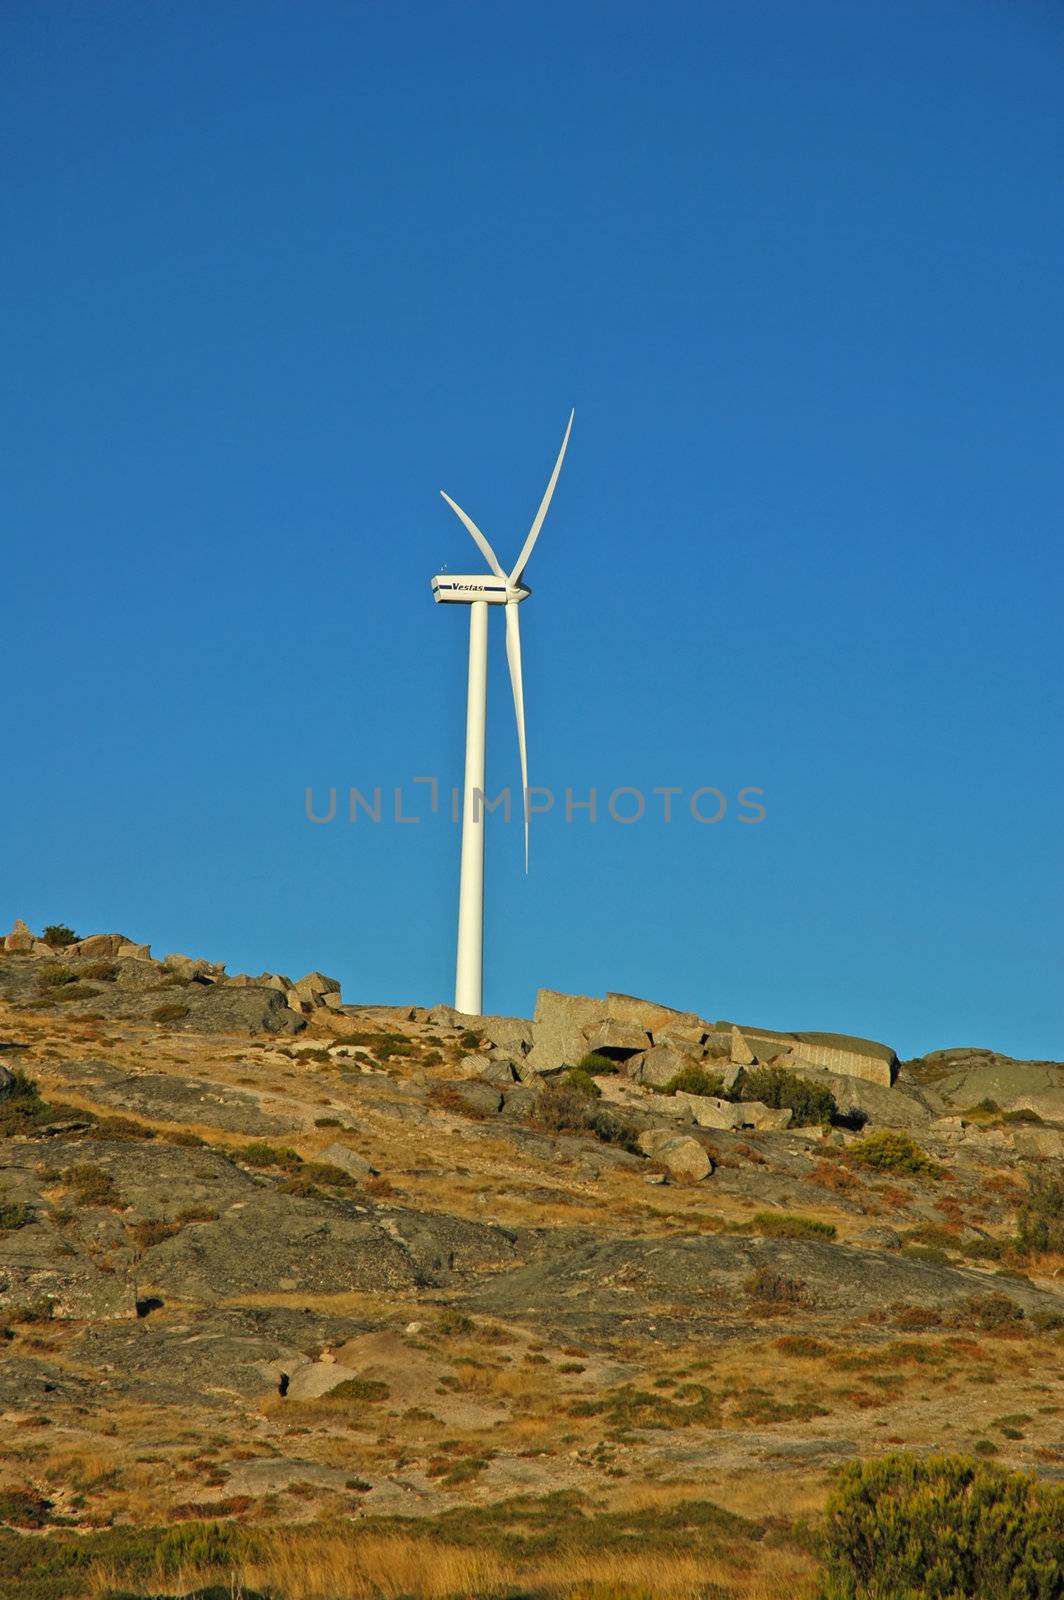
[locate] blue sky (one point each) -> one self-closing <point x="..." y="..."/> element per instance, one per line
<point x="277" y="273"/>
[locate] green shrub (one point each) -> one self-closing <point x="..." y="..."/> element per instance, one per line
<point x="367" y="1389"/>
<point x="22" y="1108"/>
<point x="780" y="1225"/>
<point x="14" y="1214"/>
<point x="58" y="935"/>
<point x="694" y="1079"/>
<point x="611" y="1129"/>
<point x="595" y="1062"/>
<point x="261" y="1154"/>
<point x="53" y="976"/>
<point x="891" y="1151"/>
<point x="1041" y="1220"/>
<point x="582" y="1081"/>
<point x="775" y="1086"/>
<point x="945" y="1528"/>
<point x="72" y="992"/>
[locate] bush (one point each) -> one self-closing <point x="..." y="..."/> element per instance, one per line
<point x="1041" y="1220"/>
<point x="594" y="1062"/>
<point x="991" y="1312"/>
<point x="775" y="1086"/>
<point x="562" y="1109"/>
<point x="52" y="976"/>
<point x="58" y="935"/>
<point x="14" y="1214"/>
<point x="261" y="1154"/>
<point x="891" y="1151"/>
<point x="92" y="1186"/>
<point x="151" y="1231"/>
<point x="582" y="1081"/>
<point x="22" y="1108"/>
<point x="611" y="1129"/>
<point x="24" y="1508"/>
<point x="366" y="1389"/>
<point x="696" y="1080"/>
<point x="773" y="1291"/>
<point x="779" y="1225"/>
<point x="941" y="1529"/>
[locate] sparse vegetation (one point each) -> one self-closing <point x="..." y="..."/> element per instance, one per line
<point x="779" y="1225"/>
<point x="170" y="1013"/>
<point x="92" y="1186"/>
<point x="772" y="1292"/>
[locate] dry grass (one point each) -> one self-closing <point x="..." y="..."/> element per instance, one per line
<point x="391" y="1566"/>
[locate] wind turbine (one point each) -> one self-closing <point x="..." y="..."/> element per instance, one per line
<point x="478" y="591"/>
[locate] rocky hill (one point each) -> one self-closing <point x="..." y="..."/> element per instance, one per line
<point x="489" y="1289"/>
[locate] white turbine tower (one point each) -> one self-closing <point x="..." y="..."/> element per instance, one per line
<point x="478" y="591"/>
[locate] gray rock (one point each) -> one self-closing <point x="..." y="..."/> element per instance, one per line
<point x="739" y="1052"/>
<point x="690" y="1040"/>
<point x="558" y="1027"/>
<point x="7" y="1082"/>
<point x="676" y="1107"/>
<point x="648" y="1014"/>
<point x="882" y="1238"/>
<point x="1039" y="1142"/>
<point x="709" y="1112"/>
<point x="182" y="966"/>
<point x="617" y="1039"/>
<point x="683" y="1156"/>
<point x="341" y="1155"/>
<point x="755" y="1114"/>
<point x="20" y="937"/>
<point x="500" y="1072"/>
<point x="314" y="987"/>
<point x="472" y="1066"/>
<point x="521" y="1102"/>
<point x="659" y="1065"/>
<point x="482" y="1099"/>
<point x="511" y="1034"/>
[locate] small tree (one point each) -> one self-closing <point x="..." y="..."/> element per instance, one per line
<point x="58" y="935"/>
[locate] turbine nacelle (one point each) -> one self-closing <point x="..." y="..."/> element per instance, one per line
<point x="465" y="587"/>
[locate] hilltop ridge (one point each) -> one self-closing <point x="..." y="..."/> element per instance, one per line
<point x="271" y="1257"/>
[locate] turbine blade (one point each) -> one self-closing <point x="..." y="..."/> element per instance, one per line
<point x="544" y="506"/>
<point x="478" y="538"/>
<point x="513" y="656"/>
